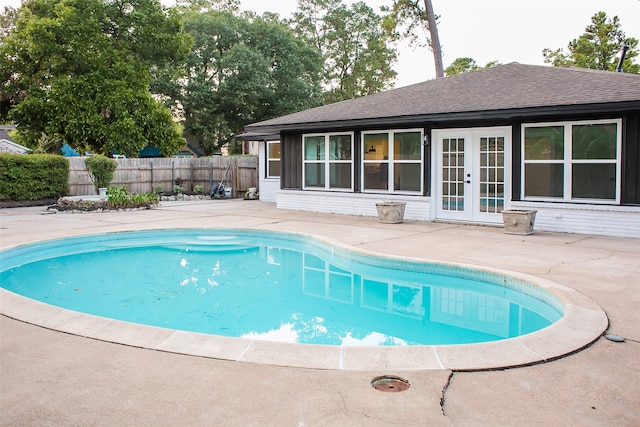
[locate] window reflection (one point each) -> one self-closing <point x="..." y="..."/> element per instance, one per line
<point x="438" y="305"/>
<point x="312" y="296"/>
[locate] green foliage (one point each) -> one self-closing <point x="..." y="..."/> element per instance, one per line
<point x="119" y="198"/>
<point x="597" y="47"/>
<point x="101" y="169"/>
<point x="242" y="69"/>
<point x="353" y="45"/>
<point x="33" y="177"/>
<point x="207" y="5"/>
<point x="464" y="65"/>
<point x="461" y="65"/>
<point x="80" y="72"/>
<point x="407" y="19"/>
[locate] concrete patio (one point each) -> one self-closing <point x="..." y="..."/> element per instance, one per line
<point x="49" y="377"/>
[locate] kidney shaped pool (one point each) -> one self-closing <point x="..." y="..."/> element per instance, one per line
<point x="275" y="286"/>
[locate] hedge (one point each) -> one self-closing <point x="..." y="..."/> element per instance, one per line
<point x="33" y="176"/>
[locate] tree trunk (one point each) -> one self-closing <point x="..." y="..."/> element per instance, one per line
<point x="435" y="39"/>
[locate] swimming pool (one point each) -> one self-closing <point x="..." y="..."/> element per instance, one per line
<point x="271" y="286"/>
<point x="582" y="323"/>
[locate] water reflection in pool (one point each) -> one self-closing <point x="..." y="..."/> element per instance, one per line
<point x="274" y="286"/>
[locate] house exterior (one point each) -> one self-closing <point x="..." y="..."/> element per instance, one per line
<point x="562" y="141"/>
<point x="8" y="145"/>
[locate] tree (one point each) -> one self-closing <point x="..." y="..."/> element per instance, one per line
<point x="353" y="45"/>
<point x="242" y="69"/>
<point x="409" y="15"/>
<point x="101" y="170"/>
<point x="7" y="24"/>
<point x="208" y="5"/>
<point x="597" y="47"/>
<point x="81" y="70"/>
<point x="7" y="21"/>
<point x="464" y="65"/>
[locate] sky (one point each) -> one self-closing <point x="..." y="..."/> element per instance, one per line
<point x="486" y="30"/>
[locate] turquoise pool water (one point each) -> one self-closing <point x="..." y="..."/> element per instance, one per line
<point x="274" y="286"/>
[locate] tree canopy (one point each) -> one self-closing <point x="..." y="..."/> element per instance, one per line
<point x="353" y="45"/>
<point x="464" y="65"/>
<point x="242" y="69"/>
<point x="78" y="71"/>
<point x="407" y="19"/>
<point x="597" y="47"/>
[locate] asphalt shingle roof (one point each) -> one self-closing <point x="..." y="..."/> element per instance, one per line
<point x="5" y="135"/>
<point x="505" y="87"/>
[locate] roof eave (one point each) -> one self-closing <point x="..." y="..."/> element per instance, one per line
<point x="257" y="135"/>
<point x="543" y="112"/>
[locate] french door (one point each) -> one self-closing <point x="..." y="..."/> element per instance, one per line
<point x="472" y="173"/>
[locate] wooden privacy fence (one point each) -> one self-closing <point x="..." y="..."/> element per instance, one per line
<point x="146" y="175"/>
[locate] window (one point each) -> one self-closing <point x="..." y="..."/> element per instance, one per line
<point x="328" y="163"/>
<point x="572" y="161"/>
<point x="392" y="161"/>
<point x="273" y="159"/>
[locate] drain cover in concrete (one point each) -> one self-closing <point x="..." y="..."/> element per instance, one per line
<point x="390" y="383"/>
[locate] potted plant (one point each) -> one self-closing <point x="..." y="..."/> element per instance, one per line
<point x="251" y="193"/>
<point x="101" y="169"/>
<point x="518" y="221"/>
<point x="391" y="212"/>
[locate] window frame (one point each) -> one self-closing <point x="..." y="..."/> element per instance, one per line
<point x="328" y="162"/>
<point x="392" y="162"/>
<point x="567" y="161"/>
<point x="268" y="173"/>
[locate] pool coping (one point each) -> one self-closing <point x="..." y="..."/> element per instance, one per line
<point x="583" y="323"/>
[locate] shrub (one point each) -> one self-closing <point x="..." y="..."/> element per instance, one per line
<point x="101" y="169"/>
<point x="33" y="176"/>
<point x="118" y="197"/>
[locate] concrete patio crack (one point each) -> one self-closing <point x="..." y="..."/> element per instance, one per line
<point x="364" y="414"/>
<point x="591" y="259"/>
<point x="444" y="391"/>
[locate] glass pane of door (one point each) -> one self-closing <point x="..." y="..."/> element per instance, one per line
<point x="491" y="174"/>
<point x="453" y="174"/>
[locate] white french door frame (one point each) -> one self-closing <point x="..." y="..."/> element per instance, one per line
<point x="456" y="187"/>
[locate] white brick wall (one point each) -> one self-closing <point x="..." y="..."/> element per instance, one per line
<point x="268" y="189"/>
<point x="418" y="207"/>
<point x="614" y="221"/>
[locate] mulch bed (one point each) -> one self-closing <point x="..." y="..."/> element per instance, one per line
<point x="58" y="205"/>
<point x="26" y="203"/>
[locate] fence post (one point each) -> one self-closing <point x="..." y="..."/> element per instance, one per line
<point x="236" y="178"/>
<point x="191" y="177"/>
<point x="210" y="174"/>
